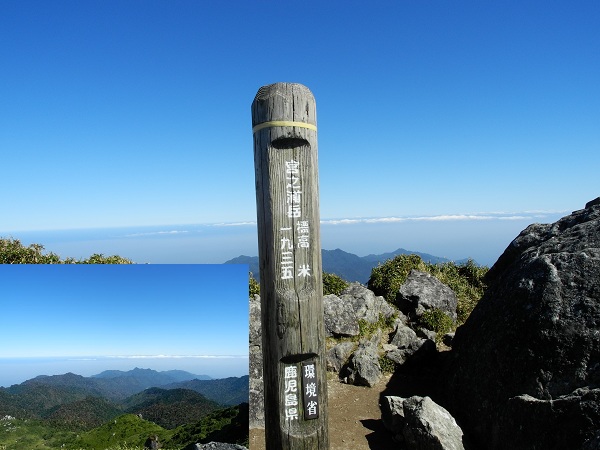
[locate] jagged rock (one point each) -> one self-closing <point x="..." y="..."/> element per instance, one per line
<point x="526" y="364"/>
<point x="257" y="413"/>
<point x="404" y="336"/>
<point x="422" y="291"/>
<point x="420" y="423"/>
<point x="421" y="348"/>
<point x="363" y="369"/>
<point x="406" y="343"/>
<point x="215" y="446"/>
<point x="392" y="416"/>
<point x="367" y="306"/>
<point x="338" y="355"/>
<point x="427" y="334"/>
<point x="340" y="318"/>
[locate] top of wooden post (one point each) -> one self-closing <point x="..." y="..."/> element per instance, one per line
<point x="284" y="105"/>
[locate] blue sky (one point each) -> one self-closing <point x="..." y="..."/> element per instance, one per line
<point x="158" y="312"/>
<point x="137" y="113"/>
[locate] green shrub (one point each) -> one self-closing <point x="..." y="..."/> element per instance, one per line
<point x="254" y="287"/>
<point x="466" y="280"/>
<point x="366" y="329"/>
<point x="436" y="320"/>
<point x="387" y="278"/>
<point x="100" y="259"/>
<point x="386" y="364"/>
<point x="13" y="252"/>
<point x="333" y="284"/>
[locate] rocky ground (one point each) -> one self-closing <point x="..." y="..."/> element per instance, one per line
<point x="523" y="372"/>
<point x="354" y="412"/>
<point x="354" y="418"/>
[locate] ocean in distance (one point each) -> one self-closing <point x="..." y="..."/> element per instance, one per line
<point x="17" y="370"/>
<point x="481" y="237"/>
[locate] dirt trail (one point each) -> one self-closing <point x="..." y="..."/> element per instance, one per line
<point x="354" y="419"/>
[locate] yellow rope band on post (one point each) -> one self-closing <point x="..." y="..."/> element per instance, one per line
<point x="283" y="123"/>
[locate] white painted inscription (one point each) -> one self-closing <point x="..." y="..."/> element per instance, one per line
<point x="290" y="377"/>
<point x="290" y="240"/>
<point x="293" y="192"/>
<point x="310" y="391"/>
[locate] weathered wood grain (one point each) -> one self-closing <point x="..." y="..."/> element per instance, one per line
<point x="287" y="197"/>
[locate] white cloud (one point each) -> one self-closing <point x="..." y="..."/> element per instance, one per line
<point x="446" y="218"/>
<point x="153" y="233"/>
<point x="233" y="224"/>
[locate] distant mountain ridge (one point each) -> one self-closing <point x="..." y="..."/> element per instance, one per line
<point x="346" y="265"/>
<point x="59" y="398"/>
<point x="229" y="391"/>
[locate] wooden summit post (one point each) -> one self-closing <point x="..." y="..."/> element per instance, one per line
<point x="291" y="284"/>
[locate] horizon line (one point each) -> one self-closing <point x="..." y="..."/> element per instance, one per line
<point x="476" y="216"/>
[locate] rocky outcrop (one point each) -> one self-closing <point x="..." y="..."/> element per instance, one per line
<point x="340" y="317"/>
<point x="367" y="306"/>
<point x="355" y="303"/>
<point x="406" y="344"/>
<point x="420" y="423"/>
<point x="355" y="363"/>
<point x="216" y="446"/>
<point x="421" y="292"/>
<point x="257" y="413"/>
<point x="526" y="367"/>
<point x="363" y="369"/>
<point x="338" y="355"/>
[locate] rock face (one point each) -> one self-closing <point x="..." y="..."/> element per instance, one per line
<point x="217" y="446"/>
<point x="406" y="344"/>
<point x="420" y="423"/>
<point x="340" y="318"/>
<point x="526" y="367"/>
<point x="355" y="303"/>
<point x="257" y="413"/>
<point x="363" y="369"/>
<point x="338" y="355"/>
<point x="422" y="291"/>
<point x="367" y="306"/>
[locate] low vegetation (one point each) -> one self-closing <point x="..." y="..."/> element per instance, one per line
<point x="125" y="432"/>
<point x="436" y="320"/>
<point x="254" y="286"/>
<point x="465" y="279"/>
<point x="333" y="284"/>
<point x="12" y="251"/>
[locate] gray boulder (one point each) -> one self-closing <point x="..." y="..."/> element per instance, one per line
<point x="367" y="306"/>
<point x="340" y="318"/>
<point x="420" y="423"/>
<point x="406" y="344"/>
<point x="404" y="336"/>
<point x="422" y="291"/>
<point x="364" y="369"/>
<point x="338" y="355"/>
<point x="526" y="364"/>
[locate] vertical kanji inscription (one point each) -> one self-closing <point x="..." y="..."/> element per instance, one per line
<point x="287" y="196"/>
